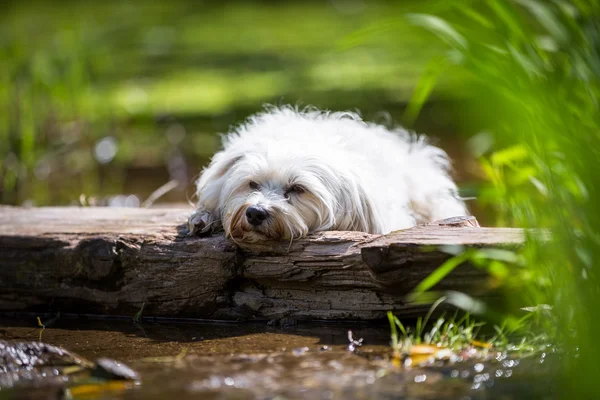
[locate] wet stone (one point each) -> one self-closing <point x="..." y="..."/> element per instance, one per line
<point x="109" y="369"/>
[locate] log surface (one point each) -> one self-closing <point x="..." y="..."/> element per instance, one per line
<point x="114" y="260"/>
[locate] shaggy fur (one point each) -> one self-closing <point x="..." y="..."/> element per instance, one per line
<point x="312" y="170"/>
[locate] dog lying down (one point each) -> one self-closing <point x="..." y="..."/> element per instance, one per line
<point x="287" y="172"/>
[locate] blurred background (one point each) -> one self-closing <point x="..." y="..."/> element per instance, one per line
<point x="112" y="100"/>
<point x="107" y="102"/>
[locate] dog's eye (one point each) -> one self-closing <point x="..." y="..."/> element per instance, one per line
<point x="297" y="189"/>
<point x="253" y="185"/>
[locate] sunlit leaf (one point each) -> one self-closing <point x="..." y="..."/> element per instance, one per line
<point x="521" y="174"/>
<point x="440" y="273"/>
<point x="477" y="343"/>
<point x="394" y="333"/>
<point x="423" y="89"/>
<point x="400" y="325"/>
<point x="507" y="15"/>
<point x="498" y="269"/>
<point x="480" y="143"/>
<point x="508" y="155"/>
<point x="524" y="61"/>
<point x="537" y="308"/>
<point x="539" y="185"/>
<point x="477" y="16"/>
<point x="441" y="28"/>
<point x="546" y="18"/>
<point x="466" y="302"/>
<point x="452" y="249"/>
<point x="507" y="256"/>
<point x="585" y="256"/>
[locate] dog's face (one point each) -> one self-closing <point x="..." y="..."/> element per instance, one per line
<point x="265" y="198"/>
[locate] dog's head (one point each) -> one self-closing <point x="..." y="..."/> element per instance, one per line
<point x="265" y="196"/>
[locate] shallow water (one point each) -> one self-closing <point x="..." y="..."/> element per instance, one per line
<point x="256" y="361"/>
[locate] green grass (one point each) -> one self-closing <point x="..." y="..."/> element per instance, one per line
<point x="140" y="314"/>
<point x="453" y="334"/>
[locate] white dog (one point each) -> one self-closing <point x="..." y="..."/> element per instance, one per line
<point x="286" y="172"/>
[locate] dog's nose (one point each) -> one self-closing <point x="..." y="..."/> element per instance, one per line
<point x="256" y="215"/>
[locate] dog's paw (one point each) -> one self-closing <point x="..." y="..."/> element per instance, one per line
<point x="201" y="223"/>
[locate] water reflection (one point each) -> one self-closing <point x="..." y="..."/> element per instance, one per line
<point x="254" y="361"/>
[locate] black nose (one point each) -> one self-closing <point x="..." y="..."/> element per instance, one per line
<point x="256" y="215"/>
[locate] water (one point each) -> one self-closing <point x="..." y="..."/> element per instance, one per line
<point x="256" y="361"/>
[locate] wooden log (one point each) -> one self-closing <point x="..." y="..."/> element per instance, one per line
<point x="114" y="260"/>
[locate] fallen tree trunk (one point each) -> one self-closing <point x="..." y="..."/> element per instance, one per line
<point x="114" y="260"/>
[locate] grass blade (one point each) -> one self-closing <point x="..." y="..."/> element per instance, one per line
<point x="394" y="333"/>
<point x="441" y="272"/>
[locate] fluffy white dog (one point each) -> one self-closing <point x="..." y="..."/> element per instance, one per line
<point x="286" y="172"/>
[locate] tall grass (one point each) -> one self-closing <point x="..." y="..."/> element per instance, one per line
<point x="534" y="90"/>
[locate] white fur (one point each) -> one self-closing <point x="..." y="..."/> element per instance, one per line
<point x="355" y="176"/>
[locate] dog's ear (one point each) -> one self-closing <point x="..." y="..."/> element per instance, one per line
<point x="356" y="211"/>
<point x="218" y="166"/>
<point x="211" y="180"/>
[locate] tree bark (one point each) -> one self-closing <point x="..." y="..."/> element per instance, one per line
<point x="114" y="260"/>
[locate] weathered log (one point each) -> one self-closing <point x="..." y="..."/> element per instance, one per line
<point x="114" y="260"/>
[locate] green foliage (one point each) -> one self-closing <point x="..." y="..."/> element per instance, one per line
<point x="534" y="69"/>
